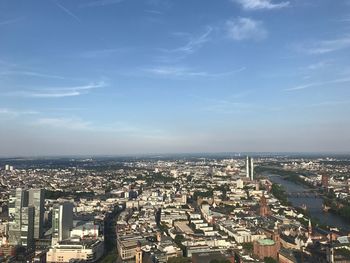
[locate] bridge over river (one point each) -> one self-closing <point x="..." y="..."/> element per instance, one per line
<point x="304" y="193"/>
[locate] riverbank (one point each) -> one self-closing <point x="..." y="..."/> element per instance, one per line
<point x="314" y="204"/>
<point x="335" y="205"/>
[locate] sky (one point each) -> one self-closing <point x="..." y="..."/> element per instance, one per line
<point x="105" y="77"/>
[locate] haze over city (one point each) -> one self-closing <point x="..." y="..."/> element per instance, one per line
<point x="161" y="76"/>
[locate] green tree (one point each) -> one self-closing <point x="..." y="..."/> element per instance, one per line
<point x="269" y="260"/>
<point x="220" y="261"/>
<point x="179" y="260"/>
<point x="248" y="247"/>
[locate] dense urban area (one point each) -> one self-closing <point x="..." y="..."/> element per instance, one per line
<point x="201" y="209"/>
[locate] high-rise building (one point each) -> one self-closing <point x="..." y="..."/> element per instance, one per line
<point x="36" y="199"/>
<point x="21" y="225"/>
<point x="250" y="168"/>
<point x="62" y="222"/>
<point x="325" y="180"/>
<point x="263" y="207"/>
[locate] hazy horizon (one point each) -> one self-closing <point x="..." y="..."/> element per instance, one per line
<point x="121" y="77"/>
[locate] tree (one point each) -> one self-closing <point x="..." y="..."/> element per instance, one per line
<point x="179" y="260"/>
<point x="220" y="261"/>
<point x="248" y="247"/>
<point x="269" y="260"/>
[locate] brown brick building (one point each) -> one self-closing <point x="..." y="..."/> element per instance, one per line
<point x="265" y="248"/>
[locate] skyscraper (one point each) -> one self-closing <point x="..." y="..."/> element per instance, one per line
<point x="250" y="168"/>
<point x="62" y="221"/>
<point x="36" y="199"/>
<point x="21" y="225"/>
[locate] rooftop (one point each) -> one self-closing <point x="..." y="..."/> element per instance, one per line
<point x="266" y="242"/>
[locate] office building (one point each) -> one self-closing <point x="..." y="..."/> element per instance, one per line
<point x="21" y="225"/>
<point x="36" y="199"/>
<point x="250" y="168"/>
<point x="62" y="222"/>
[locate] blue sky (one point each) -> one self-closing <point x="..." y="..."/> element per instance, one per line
<point x="162" y="76"/>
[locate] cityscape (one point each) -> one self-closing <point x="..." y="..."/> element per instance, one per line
<point x="225" y="208"/>
<point x="174" y="131"/>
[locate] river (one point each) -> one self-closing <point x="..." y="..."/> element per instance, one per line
<point x="314" y="204"/>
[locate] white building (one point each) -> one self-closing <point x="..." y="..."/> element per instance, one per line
<point x="90" y="250"/>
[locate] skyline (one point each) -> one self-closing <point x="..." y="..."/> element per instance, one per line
<point x="116" y="77"/>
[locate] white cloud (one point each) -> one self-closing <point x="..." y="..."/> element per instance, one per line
<point x="30" y="74"/>
<point x="98" y="3"/>
<point x="324" y="46"/>
<point x="15" y="113"/>
<point x="66" y="10"/>
<point x="318" y="65"/>
<point x="10" y="21"/>
<point x="317" y="84"/>
<point x="245" y="28"/>
<point x="186" y="72"/>
<point x="103" y="53"/>
<point x="58" y="92"/>
<point x="78" y="124"/>
<point x="261" y="4"/>
<point x="65" y="123"/>
<point x="193" y="44"/>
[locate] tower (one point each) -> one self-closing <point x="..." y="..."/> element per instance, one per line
<point x="276" y="237"/>
<point x="263" y="207"/>
<point x="309" y="233"/>
<point x="309" y="229"/>
<point x="21" y="225"/>
<point x="138" y="253"/>
<point x="36" y="199"/>
<point x="250" y="168"/>
<point x="62" y="221"/>
<point x="325" y="180"/>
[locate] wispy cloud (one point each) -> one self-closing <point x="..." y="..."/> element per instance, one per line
<point x="244" y="28"/>
<point x="318" y="65"/>
<point x="186" y="72"/>
<point x="195" y="43"/>
<point x="99" y="3"/>
<point x="261" y="4"/>
<point x="318" y="84"/>
<point x="102" y="53"/>
<point x="65" y="123"/>
<point x="330" y="103"/>
<point x="11" y="21"/>
<point x="67" y="11"/>
<point x="58" y="92"/>
<point x="154" y="12"/>
<point x="78" y="124"/>
<point x="228" y="107"/>
<point x="15" y="113"/>
<point x="29" y="74"/>
<point x="324" y="46"/>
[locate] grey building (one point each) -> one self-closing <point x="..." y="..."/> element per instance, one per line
<point x="22" y="214"/>
<point x="62" y="222"/>
<point x="250" y="168"/>
<point x="37" y="199"/>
